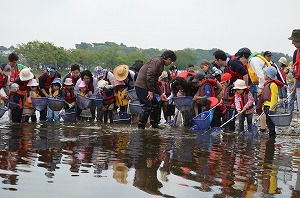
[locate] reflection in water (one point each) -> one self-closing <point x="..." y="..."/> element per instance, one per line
<point x="170" y="162"/>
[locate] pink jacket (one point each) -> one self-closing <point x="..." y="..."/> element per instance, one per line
<point x="238" y="100"/>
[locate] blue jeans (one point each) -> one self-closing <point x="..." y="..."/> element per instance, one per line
<point x="253" y="91"/>
<point x="52" y="115"/>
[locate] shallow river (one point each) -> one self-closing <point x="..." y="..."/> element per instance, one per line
<point x="93" y="160"/>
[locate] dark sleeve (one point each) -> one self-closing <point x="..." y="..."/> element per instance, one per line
<point x="42" y="80"/>
<point x="18" y="81"/>
<point x="294" y="56"/>
<point x="58" y="75"/>
<point x="63" y="93"/>
<point x="237" y="66"/>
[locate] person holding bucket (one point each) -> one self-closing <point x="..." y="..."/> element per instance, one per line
<point x="147" y="84"/>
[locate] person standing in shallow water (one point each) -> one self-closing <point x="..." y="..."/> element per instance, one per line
<point x="147" y="84"/>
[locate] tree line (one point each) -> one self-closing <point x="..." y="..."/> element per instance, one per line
<point x="107" y="55"/>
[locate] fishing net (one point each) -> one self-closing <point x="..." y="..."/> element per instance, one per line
<point x="40" y="103"/>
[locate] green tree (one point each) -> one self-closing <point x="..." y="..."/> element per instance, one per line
<point x="184" y="58"/>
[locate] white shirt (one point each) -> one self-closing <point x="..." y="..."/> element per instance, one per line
<point x="258" y="64"/>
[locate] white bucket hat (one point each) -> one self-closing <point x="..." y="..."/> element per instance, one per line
<point x="68" y="81"/>
<point x="26" y="74"/>
<point x="239" y="84"/>
<point x="32" y="83"/>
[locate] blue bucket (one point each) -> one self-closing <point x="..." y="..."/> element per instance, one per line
<point x="40" y="103"/>
<point x="203" y="120"/>
<point x="56" y="104"/>
<point x="2" y="111"/>
<point x="183" y="103"/>
<point x="122" y="118"/>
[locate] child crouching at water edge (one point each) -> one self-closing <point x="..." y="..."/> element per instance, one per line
<point x="244" y="103"/>
<point x="16" y="96"/>
<point x="83" y="91"/>
<point x="33" y="91"/>
<point x="270" y="96"/>
<point x="54" y="91"/>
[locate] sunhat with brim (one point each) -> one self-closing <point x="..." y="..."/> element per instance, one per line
<point x="57" y="81"/>
<point x="283" y="60"/>
<point x="68" y="81"/>
<point x="225" y="77"/>
<point x="118" y="83"/>
<point x="82" y="84"/>
<point x="121" y="72"/>
<point x="271" y="72"/>
<point x="101" y="83"/>
<point x="239" y="84"/>
<point x="214" y="101"/>
<point x="32" y="83"/>
<point x="295" y="35"/>
<point x="26" y="74"/>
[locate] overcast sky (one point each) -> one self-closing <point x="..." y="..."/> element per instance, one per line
<point x="164" y="24"/>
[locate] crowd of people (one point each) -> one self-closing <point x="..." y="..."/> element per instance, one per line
<point x="243" y="83"/>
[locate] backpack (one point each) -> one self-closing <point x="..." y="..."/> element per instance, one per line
<point x="252" y="75"/>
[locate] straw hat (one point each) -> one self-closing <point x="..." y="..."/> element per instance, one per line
<point x="120" y="172"/>
<point x="26" y="74"/>
<point x="239" y="84"/>
<point x="116" y="83"/>
<point x="121" y="72"/>
<point x="32" y="83"/>
<point x="68" y="81"/>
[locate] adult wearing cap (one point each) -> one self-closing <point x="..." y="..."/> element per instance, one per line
<point x="74" y="74"/>
<point x="295" y="37"/>
<point x="45" y="81"/>
<point x="123" y="73"/>
<point x="104" y="74"/>
<point x="24" y="77"/>
<point x="147" y="84"/>
<point x="206" y="89"/>
<point x="68" y="94"/>
<point x="234" y="64"/>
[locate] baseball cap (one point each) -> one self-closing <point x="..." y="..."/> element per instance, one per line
<point x="198" y="77"/>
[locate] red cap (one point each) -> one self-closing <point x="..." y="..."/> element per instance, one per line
<point x="214" y="101"/>
<point x="225" y="77"/>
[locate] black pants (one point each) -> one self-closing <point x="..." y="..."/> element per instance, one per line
<point x="150" y="107"/>
<point x="270" y="124"/>
<point x="33" y="118"/>
<point x="16" y="115"/>
<point x="43" y="114"/>
<point x="242" y="117"/>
